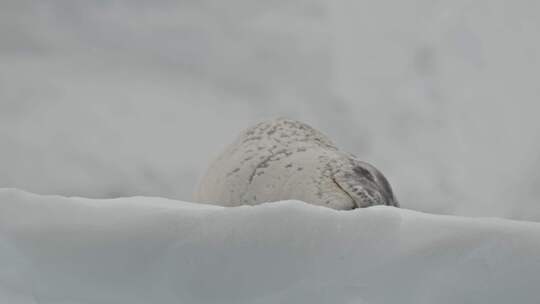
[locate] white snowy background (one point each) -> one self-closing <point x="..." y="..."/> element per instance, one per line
<point x="110" y="99"/>
<point x="116" y="98"/>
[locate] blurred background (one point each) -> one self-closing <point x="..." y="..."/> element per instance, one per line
<point x="121" y="98"/>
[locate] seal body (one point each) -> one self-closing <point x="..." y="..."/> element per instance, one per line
<point x="285" y="159"/>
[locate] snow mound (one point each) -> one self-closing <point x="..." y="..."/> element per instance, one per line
<point x="150" y="250"/>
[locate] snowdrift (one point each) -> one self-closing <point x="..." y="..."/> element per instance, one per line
<point x="150" y="250"/>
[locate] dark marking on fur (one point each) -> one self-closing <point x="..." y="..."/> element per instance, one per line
<point x="266" y="162"/>
<point x="363" y="173"/>
<point x="233" y="172"/>
<point x="387" y="189"/>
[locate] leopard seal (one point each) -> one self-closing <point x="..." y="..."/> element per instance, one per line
<point x="284" y="159"/>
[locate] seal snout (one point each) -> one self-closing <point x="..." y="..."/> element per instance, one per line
<point x="365" y="185"/>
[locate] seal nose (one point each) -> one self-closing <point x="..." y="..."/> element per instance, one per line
<point x="375" y="184"/>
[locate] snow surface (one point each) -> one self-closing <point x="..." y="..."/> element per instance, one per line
<point x="151" y="250"/>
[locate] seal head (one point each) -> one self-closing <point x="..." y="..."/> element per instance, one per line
<point x="364" y="184"/>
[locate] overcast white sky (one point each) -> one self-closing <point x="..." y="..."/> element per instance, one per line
<point x="120" y="98"/>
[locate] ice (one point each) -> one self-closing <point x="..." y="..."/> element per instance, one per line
<point x="55" y="249"/>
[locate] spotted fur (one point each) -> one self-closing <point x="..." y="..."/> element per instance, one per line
<point x="286" y="159"/>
